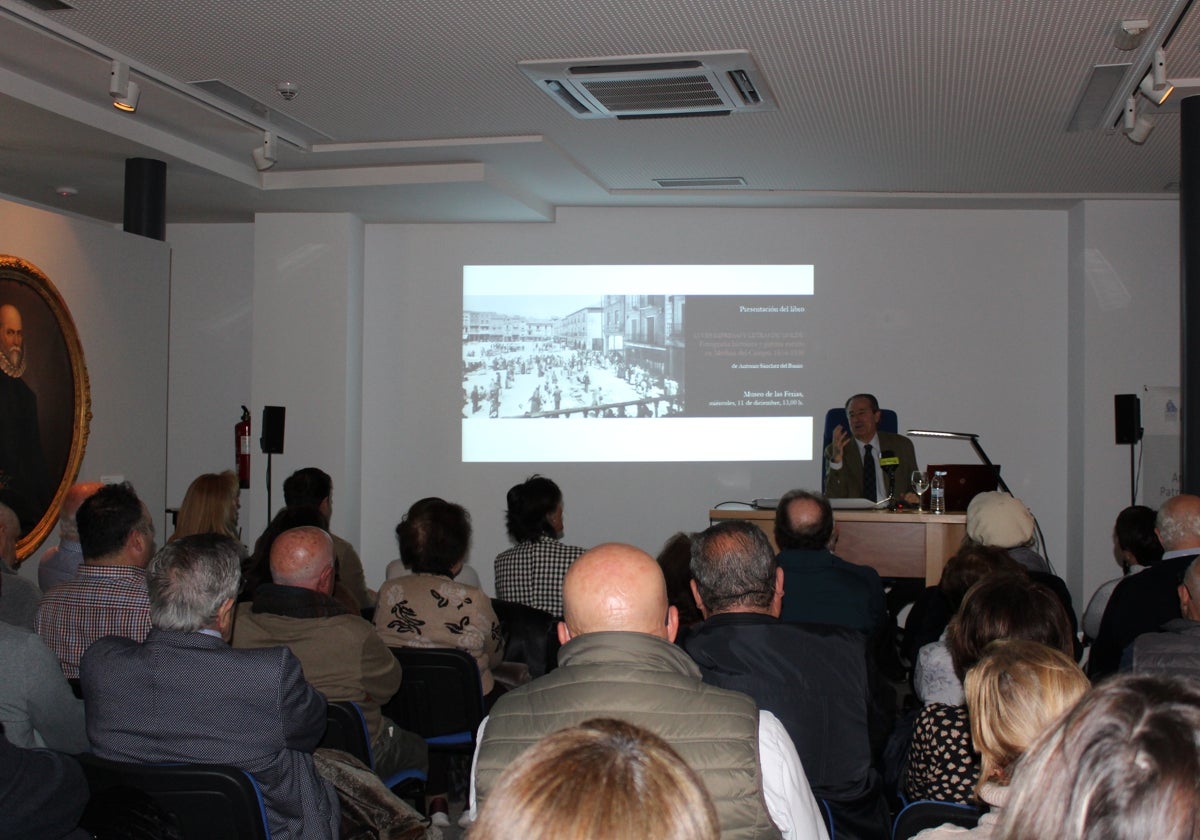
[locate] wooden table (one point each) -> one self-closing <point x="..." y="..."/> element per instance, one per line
<point x="894" y="544"/>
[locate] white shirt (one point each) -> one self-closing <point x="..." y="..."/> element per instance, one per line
<point x="790" y="800"/>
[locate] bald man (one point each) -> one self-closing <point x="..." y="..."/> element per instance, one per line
<point x="339" y="650"/>
<point x="59" y="564"/>
<point x="618" y="660"/>
<point x="23" y="470"/>
<point x="1144" y="602"/>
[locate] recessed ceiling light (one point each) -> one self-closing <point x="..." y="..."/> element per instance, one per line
<point x="66" y="192"/>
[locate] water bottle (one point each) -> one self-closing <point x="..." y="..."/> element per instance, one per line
<point x="937" y="493"/>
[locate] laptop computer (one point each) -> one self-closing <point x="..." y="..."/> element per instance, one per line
<point x="965" y="481"/>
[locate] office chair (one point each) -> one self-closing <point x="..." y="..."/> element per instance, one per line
<point x="440" y="698"/>
<point x="927" y="813"/>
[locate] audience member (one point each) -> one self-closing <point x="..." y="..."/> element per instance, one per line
<point x="1121" y="765"/>
<point x="256" y="571"/>
<point x="934" y="680"/>
<point x="42" y="794"/>
<point x="942" y="763"/>
<point x="1144" y="602"/>
<point x="210" y="506"/>
<point x="399" y="568"/>
<point x="107" y="596"/>
<point x="1014" y="693"/>
<point x="821" y="587"/>
<point x="19" y="598"/>
<point x="184" y="695"/>
<point x="675" y="560"/>
<point x="59" y="563"/>
<point x="1176" y="650"/>
<point x="1136" y="548"/>
<point x="37" y="706"/>
<point x="430" y="609"/>
<point x="1002" y="521"/>
<point x="815" y="678"/>
<point x="312" y="487"/>
<point x="618" y="659"/>
<point x="601" y="780"/>
<point x="854" y="471"/>
<point x="532" y="571"/>
<point x="340" y="652"/>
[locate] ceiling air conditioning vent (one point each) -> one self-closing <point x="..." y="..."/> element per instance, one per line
<point x="646" y="86"/>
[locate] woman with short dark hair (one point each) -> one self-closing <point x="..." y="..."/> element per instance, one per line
<point x="532" y="571"/>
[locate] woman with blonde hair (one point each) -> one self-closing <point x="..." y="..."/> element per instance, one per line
<point x="1017" y="689"/>
<point x="601" y="780"/>
<point x="210" y="506"/>
<point x="1123" y="764"/>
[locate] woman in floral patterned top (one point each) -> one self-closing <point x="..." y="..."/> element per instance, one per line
<point x="428" y="608"/>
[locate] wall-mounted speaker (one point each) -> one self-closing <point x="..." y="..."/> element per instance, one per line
<point x="272" y="429"/>
<point x="1128" y="414"/>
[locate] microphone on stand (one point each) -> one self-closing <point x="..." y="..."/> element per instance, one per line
<point x="889" y="463"/>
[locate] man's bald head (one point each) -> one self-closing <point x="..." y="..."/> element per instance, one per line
<point x="1178" y="522"/>
<point x="303" y="557"/>
<point x="616" y="587"/>
<point x="803" y="520"/>
<point x="77" y="494"/>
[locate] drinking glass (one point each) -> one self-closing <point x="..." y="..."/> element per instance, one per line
<point x="920" y="483"/>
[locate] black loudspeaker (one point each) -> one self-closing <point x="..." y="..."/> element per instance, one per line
<point x="146" y="197"/>
<point x="272" y="429"/>
<point x="1128" y="414"/>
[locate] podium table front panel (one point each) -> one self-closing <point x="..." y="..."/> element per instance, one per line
<point x="914" y="545"/>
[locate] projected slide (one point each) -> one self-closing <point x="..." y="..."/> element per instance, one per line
<point x="635" y="363"/>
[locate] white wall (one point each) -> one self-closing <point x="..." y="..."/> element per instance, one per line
<point x="212" y="288"/>
<point x="116" y="287"/>
<point x="955" y="319"/>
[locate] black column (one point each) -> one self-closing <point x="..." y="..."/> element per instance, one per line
<point x="1189" y="286"/>
<point x="146" y="197"/>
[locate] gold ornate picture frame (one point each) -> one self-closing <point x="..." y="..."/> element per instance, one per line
<point x="45" y="400"/>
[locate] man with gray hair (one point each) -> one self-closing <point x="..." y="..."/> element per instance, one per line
<point x="185" y="696"/>
<point x="1144" y="602"/>
<point x="1176" y="650"/>
<point x="19" y="597"/>
<point x="59" y="564"/>
<point x="815" y="678"/>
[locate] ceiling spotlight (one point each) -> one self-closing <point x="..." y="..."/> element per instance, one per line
<point x="1155" y="86"/>
<point x="124" y="90"/>
<point x="1135" y="126"/>
<point x="1129" y="34"/>
<point x="264" y="153"/>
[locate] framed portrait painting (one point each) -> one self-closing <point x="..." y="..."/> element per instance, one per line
<point x="45" y="404"/>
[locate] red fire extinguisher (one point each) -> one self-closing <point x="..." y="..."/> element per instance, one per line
<point x="241" y="448"/>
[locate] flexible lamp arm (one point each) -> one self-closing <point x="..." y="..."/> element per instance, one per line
<point x="974" y="441"/>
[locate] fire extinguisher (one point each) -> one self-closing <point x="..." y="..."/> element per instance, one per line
<point x="241" y="448"/>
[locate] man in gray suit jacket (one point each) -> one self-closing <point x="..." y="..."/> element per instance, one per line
<point x="184" y="695"/>
<point x="844" y="478"/>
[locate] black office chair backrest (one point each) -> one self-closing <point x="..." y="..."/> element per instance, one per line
<point x="926" y="813"/>
<point x="530" y="636"/>
<point x="208" y="801"/>
<point x="440" y="697"/>
<point x="346" y="730"/>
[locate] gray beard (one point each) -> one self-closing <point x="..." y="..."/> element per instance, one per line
<point x="14" y="369"/>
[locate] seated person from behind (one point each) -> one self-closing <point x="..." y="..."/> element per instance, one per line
<point x="59" y="564"/>
<point x="1176" y="650"/>
<point x="942" y="761"/>
<point x="1135" y="548"/>
<point x="604" y="778"/>
<point x="1000" y="520"/>
<point x="313" y="487"/>
<point x="853" y="456"/>
<point x="429" y="608"/>
<point x="342" y="655"/>
<point x="19" y="601"/>
<point x="820" y="587"/>
<point x="185" y="696"/>
<point x="531" y="572"/>
<point x="107" y="596"/>
<point x="618" y="658"/>
<point x="813" y="677"/>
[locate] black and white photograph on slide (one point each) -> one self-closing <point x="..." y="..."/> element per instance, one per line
<point x="660" y="360"/>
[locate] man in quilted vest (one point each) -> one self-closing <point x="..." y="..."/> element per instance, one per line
<point x="618" y="660"/>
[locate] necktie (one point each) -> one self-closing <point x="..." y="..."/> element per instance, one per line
<point x="869" y="475"/>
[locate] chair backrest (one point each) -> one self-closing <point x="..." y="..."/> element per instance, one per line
<point x="209" y="801"/>
<point x="346" y="730"/>
<point x="530" y="636"/>
<point x="440" y="697"/>
<point x="834" y="417"/>
<point x="917" y="816"/>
